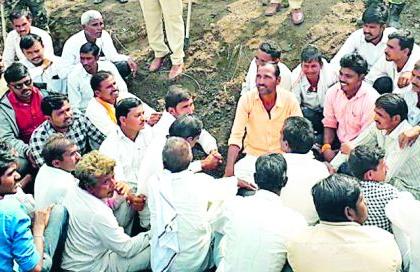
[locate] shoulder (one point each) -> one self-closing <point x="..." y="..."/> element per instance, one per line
<point x="283" y="68"/>
<point x="44" y="34"/>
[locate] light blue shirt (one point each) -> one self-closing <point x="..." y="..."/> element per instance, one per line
<point x="16" y="239"/>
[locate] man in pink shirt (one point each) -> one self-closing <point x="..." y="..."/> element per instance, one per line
<point x="349" y="105"/>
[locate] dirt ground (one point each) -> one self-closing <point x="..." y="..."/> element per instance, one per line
<point x="224" y="36"/>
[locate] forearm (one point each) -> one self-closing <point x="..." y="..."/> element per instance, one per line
<point x="38" y="234"/>
<point x="329" y="135"/>
<point x="232" y="155"/>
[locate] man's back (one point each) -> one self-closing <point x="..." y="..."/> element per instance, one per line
<point x="256" y="232"/>
<point x="344" y="246"/>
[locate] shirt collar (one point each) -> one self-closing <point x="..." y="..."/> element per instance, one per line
<point x="279" y="98"/>
<point x="403" y="126"/>
<point x="267" y="195"/>
<point x="13" y="99"/>
<point x="339" y="224"/>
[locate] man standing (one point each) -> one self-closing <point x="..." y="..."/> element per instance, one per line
<point x="349" y="105"/>
<point x="20" y="113"/>
<point x="171" y="11"/>
<point x="49" y="74"/>
<point x="261" y="113"/>
<point x="339" y="243"/>
<point x="295" y="6"/>
<point x="79" y="87"/>
<point x="401" y="54"/>
<point x="22" y="25"/>
<point x="95" y="242"/>
<point x="267" y="52"/>
<point x="93" y="32"/>
<point x="61" y="119"/>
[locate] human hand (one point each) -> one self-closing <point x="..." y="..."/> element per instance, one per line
<point x="136" y="202"/>
<point x="154" y="118"/>
<point x="133" y="66"/>
<point x="328" y="155"/>
<point x="409" y="137"/>
<point x="330" y="168"/>
<point x="122" y="188"/>
<point x="246" y="185"/>
<point x="212" y="161"/>
<point x="346" y="148"/>
<point x="41" y="221"/>
<point x="404" y="79"/>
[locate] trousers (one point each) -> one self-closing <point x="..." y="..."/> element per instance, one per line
<point x="294" y="4"/>
<point x="171" y="12"/>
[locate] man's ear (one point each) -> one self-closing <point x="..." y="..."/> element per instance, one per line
<point x="367" y="175"/>
<point x="122" y="120"/>
<point x="396" y="119"/>
<point x="56" y="163"/>
<point x="171" y="111"/>
<point x="96" y="93"/>
<point x="350" y="213"/>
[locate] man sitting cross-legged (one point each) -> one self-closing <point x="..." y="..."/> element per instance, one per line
<point x="258" y="244"/>
<point x="261" y="113"/>
<point x="95" y="242"/>
<point x="339" y="243"/>
<point x="61" y="119"/>
<point x="178" y="202"/>
<point x="390" y="121"/>
<point x="54" y="178"/>
<point x="368" y="165"/>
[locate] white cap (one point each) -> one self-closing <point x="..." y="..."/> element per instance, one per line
<point x="89" y="16"/>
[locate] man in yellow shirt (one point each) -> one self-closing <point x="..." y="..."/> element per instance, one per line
<point x="261" y="113"/>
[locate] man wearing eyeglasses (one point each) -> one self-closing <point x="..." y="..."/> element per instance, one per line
<point x="20" y="112"/>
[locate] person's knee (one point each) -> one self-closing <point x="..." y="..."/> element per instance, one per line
<point x="123" y="68"/>
<point x="383" y="85"/>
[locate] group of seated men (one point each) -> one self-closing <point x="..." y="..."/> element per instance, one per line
<point x="321" y="171"/>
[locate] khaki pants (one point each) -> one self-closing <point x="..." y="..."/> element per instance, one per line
<point x="171" y="11"/>
<point x="294" y="4"/>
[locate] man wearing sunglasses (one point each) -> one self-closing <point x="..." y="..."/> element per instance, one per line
<point x="20" y="112"/>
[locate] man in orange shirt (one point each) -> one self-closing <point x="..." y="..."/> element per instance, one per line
<point x="261" y="113"/>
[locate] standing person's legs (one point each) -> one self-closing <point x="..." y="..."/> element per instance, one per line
<point x="152" y="14"/>
<point x="273" y="7"/>
<point x="297" y="13"/>
<point x="174" y="27"/>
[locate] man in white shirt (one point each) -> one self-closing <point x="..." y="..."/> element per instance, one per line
<point x="310" y="81"/>
<point x="339" y="243"/>
<point x="401" y="54"/>
<point x="267" y="52"/>
<point x="390" y="121"/>
<point x="48" y="74"/>
<point x="79" y="89"/>
<point x="21" y="22"/>
<point x="95" y="242"/>
<point x="93" y="31"/>
<point x="178" y="101"/>
<point x="127" y="145"/>
<point x="297" y="141"/>
<point x="178" y="202"/>
<point x="54" y="178"/>
<point x="369" y="41"/>
<point x="412" y="97"/>
<point x="259" y="244"/>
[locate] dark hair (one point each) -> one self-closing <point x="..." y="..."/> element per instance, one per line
<point x="96" y="80"/>
<point x="15" y="72"/>
<point x="123" y="107"/>
<point x="299" y="134"/>
<point x="7" y="156"/>
<point x="29" y="40"/>
<point x="393" y="104"/>
<point x="55" y="147"/>
<point x="270" y="48"/>
<point x="52" y="102"/>
<point x="272" y="64"/>
<point x="354" y="62"/>
<point x="405" y="39"/>
<point x="90" y="48"/>
<point x="176" y="154"/>
<point x="375" y="14"/>
<point x="333" y="194"/>
<point x="271" y="172"/>
<point x="311" y="53"/>
<point x="364" y="158"/>
<point x="176" y="95"/>
<point x="186" y="126"/>
<point x="16" y="14"/>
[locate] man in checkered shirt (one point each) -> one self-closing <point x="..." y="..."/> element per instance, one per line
<point x="367" y="163"/>
<point x="61" y="119"/>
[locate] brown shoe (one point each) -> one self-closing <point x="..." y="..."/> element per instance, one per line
<point x="297" y="16"/>
<point x="156" y="64"/>
<point x="176" y="70"/>
<point x="272" y="9"/>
